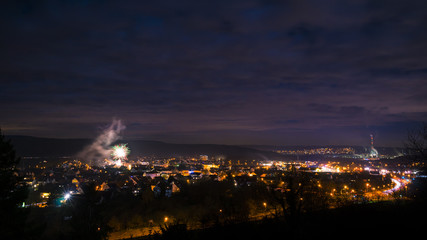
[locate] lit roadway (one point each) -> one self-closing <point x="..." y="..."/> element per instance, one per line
<point x="398" y="183"/>
<point x="396" y="187"/>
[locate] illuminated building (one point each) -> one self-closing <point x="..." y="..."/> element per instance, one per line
<point x="45" y="194"/>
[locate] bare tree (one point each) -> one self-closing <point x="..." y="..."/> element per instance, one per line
<point x="290" y="197"/>
<point x="417" y="142"/>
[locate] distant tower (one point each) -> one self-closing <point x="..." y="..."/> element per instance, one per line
<point x="373" y="153"/>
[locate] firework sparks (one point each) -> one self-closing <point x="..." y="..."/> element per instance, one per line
<point x="120" y="153"/>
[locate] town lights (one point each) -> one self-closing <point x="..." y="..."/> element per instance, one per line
<point x="67" y="196"/>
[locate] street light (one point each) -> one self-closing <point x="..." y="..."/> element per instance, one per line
<point x="67" y="196"/>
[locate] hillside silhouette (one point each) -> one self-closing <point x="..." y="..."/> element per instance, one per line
<point x="28" y="146"/>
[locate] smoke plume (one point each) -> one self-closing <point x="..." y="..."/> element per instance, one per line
<point x="101" y="146"/>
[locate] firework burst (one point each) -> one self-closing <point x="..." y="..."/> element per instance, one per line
<point x="120" y="152"/>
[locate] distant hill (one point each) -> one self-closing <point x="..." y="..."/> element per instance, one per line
<point x="27" y="146"/>
<point x="145" y="148"/>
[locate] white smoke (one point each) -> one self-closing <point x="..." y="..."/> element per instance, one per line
<point x="100" y="149"/>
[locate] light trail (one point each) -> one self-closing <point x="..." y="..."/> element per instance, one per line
<point x="397" y="186"/>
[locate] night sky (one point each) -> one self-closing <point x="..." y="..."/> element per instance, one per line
<point x="231" y="72"/>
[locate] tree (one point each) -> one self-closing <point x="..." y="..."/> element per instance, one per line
<point x="290" y="197"/>
<point x="12" y="193"/>
<point x="417" y="141"/>
<point x="88" y="221"/>
<point x="416" y="144"/>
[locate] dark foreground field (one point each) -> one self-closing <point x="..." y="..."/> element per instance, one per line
<point x="385" y="220"/>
